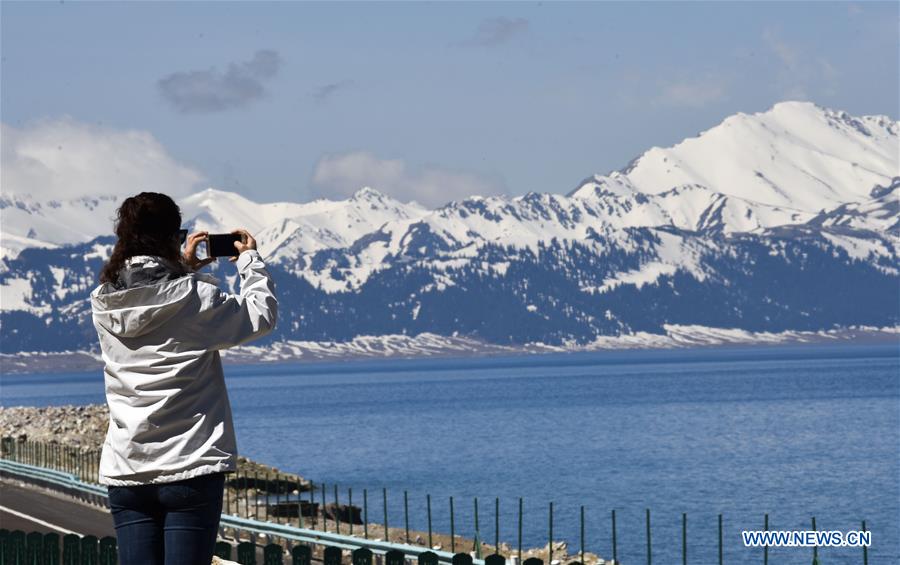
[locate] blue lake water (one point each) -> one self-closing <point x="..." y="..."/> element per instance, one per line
<point x="794" y="432"/>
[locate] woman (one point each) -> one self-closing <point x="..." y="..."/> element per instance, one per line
<point x="161" y="325"/>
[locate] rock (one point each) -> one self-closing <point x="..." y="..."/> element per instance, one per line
<point x="343" y="512"/>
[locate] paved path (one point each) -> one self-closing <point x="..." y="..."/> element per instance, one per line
<point x="31" y="509"/>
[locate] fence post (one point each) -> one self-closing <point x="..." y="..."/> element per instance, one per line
<point x="581" y="552"/>
<point x="361" y="556"/>
<point x="350" y="505"/>
<point x="71" y="549"/>
<point x="461" y="559"/>
<point x="256" y="492"/>
<point x="277" y="497"/>
<point x="337" y="509"/>
<point x="246" y="553"/>
<point x="223" y="550"/>
<point x="394" y="557"/>
<point x="452" y="530"/>
<point x="387" y="535"/>
<point x="684" y="538"/>
<point x="815" y="547"/>
<point x="313" y="513"/>
<point x="519" y="562"/>
<point x="266" y="499"/>
<point x="108" y="551"/>
<point x="721" y="560"/>
<point x="865" y="549"/>
<point x="33" y="547"/>
<point x="430" y="543"/>
<point x="324" y="517"/>
<point x="406" y="515"/>
<point x="299" y="505"/>
<point x="51" y="549"/>
<point x="615" y="554"/>
<point x="766" y="548"/>
<point x="476" y="542"/>
<point x="497" y="525"/>
<point x="90" y="550"/>
<point x="247" y="495"/>
<point x="366" y="513"/>
<point x="649" y="556"/>
<point x="272" y="554"/>
<point x="332" y="556"/>
<point x="427" y="558"/>
<point x="550" y="545"/>
<point x="301" y="555"/>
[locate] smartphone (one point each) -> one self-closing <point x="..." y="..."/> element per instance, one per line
<point x="222" y="244"/>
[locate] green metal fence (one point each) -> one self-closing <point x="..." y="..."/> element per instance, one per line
<point x="287" y="510"/>
<point x="37" y="548"/>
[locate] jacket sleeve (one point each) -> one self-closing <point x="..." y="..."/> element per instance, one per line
<point x="227" y="320"/>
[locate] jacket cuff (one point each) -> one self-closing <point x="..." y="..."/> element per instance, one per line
<point x="246" y="258"/>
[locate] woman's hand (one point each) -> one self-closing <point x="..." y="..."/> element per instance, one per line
<point x="190" y="251"/>
<point x="247" y="243"/>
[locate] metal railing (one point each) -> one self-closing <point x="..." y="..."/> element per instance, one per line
<point x="69" y="482"/>
<point x="77" y="472"/>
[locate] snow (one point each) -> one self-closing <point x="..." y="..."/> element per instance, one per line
<point x="812" y="164"/>
<point x="796" y="155"/>
<point x="677" y="336"/>
<point x="29" y="223"/>
<point x="648" y="273"/>
<point x="15" y="294"/>
<point x="59" y="275"/>
<point x="794" y="164"/>
<point x="429" y="344"/>
<point x="859" y="248"/>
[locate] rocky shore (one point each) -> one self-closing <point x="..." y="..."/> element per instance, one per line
<point x="84" y="428"/>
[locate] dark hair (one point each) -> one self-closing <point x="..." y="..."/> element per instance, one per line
<point x="145" y="225"/>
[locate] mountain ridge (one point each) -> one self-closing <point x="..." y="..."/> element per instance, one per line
<point x="616" y="256"/>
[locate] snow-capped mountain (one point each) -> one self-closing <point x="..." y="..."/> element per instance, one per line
<point x="292" y="228"/>
<point x="786" y="220"/>
<point x="797" y="155"/>
<point x="27" y="222"/>
<point x="312" y="225"/>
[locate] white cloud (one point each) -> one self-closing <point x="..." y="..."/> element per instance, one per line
<point x="800" y="76"/>
<point x="691" y="93"/>
<point x="64" y="158"/>
<point x="786" y="53"/>
<point x="495" y="31"/>
<point x="338" y="176"/>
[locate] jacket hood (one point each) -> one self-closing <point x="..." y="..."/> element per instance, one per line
<point x="137" y="311"/>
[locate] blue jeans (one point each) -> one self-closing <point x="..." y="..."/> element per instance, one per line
<point x="168" y="523"/>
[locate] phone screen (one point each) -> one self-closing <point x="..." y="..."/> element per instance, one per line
<point x="222" y="244"/>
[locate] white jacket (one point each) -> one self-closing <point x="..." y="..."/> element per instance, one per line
<point x="170" y="418"/>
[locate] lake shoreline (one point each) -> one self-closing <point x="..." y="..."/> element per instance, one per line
<point x="430" y="346"/>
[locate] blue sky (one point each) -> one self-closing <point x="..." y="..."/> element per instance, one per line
<point x="289" y="101"/>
